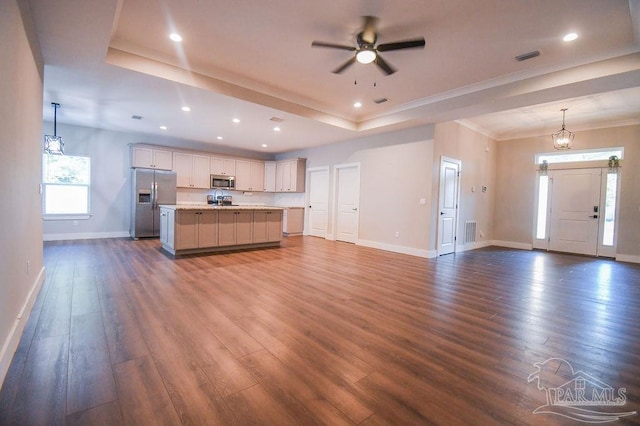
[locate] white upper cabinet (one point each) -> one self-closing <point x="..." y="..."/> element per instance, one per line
<point x="270" y="176"/>
<point x="249" y="175"/>
<point x="223" y="166"/>
<point x="192" y="170"/>
<point x="151" y="158"/>
<point x="290" y="175"/>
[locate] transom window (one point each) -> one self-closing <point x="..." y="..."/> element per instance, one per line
<point x="578" y="156"/>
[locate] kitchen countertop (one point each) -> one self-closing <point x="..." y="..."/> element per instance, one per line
<point x="214" y="207"/>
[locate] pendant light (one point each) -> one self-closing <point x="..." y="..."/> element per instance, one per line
<point x="563" y="138"/>
<point x="54" y="144"/>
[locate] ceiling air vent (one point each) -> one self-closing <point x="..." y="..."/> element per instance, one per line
<point x="380" y="100"/>
<point x="136" y="117"/>
<point x="527" y="55"/>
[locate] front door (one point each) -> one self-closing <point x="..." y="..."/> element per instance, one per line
<point x="348" y="200"/>
<point x="448" y="203"/>
<point x="575" y="211"/>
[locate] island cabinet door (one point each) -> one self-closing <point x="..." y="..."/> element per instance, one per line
<point x="244" y="227"/>
<point x="226" y="228"/>
<point x="267" y="226"/>
<point x="186" y="230"/>
<point x="260" y="230"/>
<point x="274" y="225"/>
<point x="208" y="229"/>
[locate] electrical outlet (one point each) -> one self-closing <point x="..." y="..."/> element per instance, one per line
<point x="423" y="201"/>
<point x="75" y="223"/>
<point x="397" y="234"/>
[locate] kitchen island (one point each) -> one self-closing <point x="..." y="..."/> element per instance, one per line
<point x="187" y="229"/>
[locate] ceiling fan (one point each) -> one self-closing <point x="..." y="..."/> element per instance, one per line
<point x="367" y="51"/>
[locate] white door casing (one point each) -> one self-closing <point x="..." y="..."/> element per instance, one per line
<point x="347" y="196"/>
<point x="575" y="211"/>
<point x="448" y="205"/>
<point x="318" y="202"/>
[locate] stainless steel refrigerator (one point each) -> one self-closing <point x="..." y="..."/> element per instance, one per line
<point x="150" y="189"/>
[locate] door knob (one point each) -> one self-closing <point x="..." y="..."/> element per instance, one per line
<point x="355" y="209"/>
<point x="595" y="216"/>
<point x="441" y="213"/>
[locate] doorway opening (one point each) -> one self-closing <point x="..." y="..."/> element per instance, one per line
<point x="576" y="202"/>
<point x="346" y="202"/>
<point x="448" y="200"/>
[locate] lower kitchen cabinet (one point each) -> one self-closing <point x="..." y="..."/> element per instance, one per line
<point x="267" y="226"/>
<point x="195" y="229"/>
<point x="185" y="230"/>
<point x="293" y="221"/>
<point x="235" y="227"/>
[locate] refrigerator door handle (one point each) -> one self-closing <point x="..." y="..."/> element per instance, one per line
<point x="154" y="191"/>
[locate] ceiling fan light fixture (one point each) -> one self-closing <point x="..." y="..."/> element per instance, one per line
<point x="562" y="139"/>
<point x="366" y="55"/>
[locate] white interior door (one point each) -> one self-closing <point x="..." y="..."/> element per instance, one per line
<point x="448" y="203"/>
<point x="347" y="180"/>
<point x="575" y="202"/>
<point x="318" y="205"/>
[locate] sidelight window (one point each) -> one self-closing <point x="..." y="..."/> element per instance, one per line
<point x="610" y="209"/>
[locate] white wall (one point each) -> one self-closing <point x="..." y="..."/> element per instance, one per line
<point x="395" y="173"/>
<point x="111" y="180"/>
<point x="478" y="154"/>
<point x="517" y="175"/>
<point x="21" y="264"/>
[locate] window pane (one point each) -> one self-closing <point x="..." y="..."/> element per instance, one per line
<point x="543" y="191"/>
<point x="610" y="209"/>
<point x="66" y="169"/>
<point x="66" y="199"/>
<point x="575" y="156"/>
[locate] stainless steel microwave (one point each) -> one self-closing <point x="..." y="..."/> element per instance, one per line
<point x="223" y="182"/>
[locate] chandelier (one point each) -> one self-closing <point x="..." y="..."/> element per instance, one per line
<point x="563" y="138"/>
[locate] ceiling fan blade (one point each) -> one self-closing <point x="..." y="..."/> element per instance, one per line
<point x="369" y="29"/>
<point x="344" y="66"/>
<point x="384" y="66"/>
<point x="407" y="44"/>
<point x="332" y="45"/>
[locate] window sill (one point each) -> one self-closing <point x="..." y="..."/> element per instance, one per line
<point x="66" y="216"/>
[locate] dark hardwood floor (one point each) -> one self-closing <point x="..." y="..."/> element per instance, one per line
<point x="319" y="332"/>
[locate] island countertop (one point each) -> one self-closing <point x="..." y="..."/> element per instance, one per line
<point x="215" y="207"/>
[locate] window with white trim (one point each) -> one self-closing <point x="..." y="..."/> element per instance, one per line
<point x="579" y="155"/>
<point x="66" y="182"/>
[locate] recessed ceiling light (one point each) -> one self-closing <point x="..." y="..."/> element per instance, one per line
<point x="357" y="105"/>
<point x="276" y="129"/>
<point x="219" y="138"/>
<point x="236" y="120"/>
<point x="186" y="109"/>
<point x="570" y="37"/>
<point x="163" y="127"/>
<point x="264" y="145"/>
<point x="175" y="37"/>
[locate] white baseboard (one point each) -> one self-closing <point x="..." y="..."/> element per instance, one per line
<point x="473" y="246"/>
<point x="396" y="249"/>
<point x="627" y="258"/>
<point x="511" y="244"/>
<point x="11" y="344"/>
<point x="85" y="236"/>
